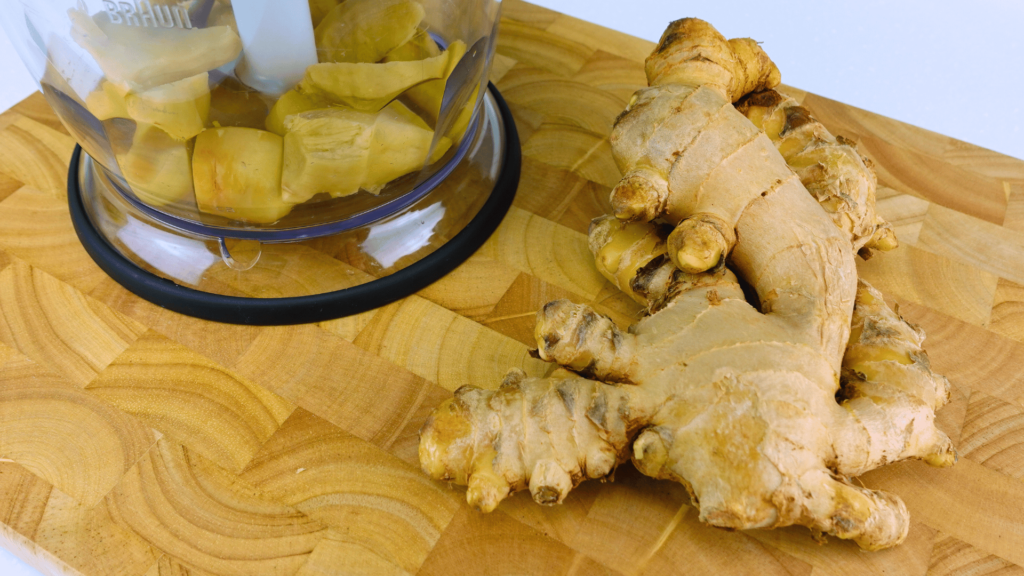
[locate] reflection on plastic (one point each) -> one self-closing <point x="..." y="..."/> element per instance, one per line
<point x="174" y="256"/>
<point x="241" y="255"/>
<point x="389" y="242"/>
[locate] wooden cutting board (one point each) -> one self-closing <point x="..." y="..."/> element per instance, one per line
<point x="135" y="441"/>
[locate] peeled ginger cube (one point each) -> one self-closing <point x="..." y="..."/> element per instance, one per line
<point x="326" y="151"/>
<point x="291" y="103"/>
<point x="181" y="108"/>
<point x="235" y="104"/>
<point x="366" y="30"/>
<point x="158" y="167"/>
<point x="338" y="151"/>
<point x="400" y="146"/>
<point x="237" y="174"/>
<point x="369" y="87"/>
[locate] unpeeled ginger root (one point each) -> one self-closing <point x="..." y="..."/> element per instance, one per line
<point x="764" y="410"/>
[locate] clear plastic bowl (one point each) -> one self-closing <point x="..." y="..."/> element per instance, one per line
<point x="363" y="126"/>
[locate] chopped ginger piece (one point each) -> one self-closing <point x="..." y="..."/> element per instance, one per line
<point x="319" y="9"/>
<point x="158" y="167"/>
<point x="181" y="108"/>
<point x="420" y="47"/>
<point x="291" y="103"/>
<point x="107" y="102"/>
<point x="369" y="87"/>
<point x="237" y="174"/>
<point x="326" y="151"/>
<point x="235" y="104"/>
<point x="428" y="95"/>
<point x="366" y="30"/>
<point x="340" y="151"/>
<point x="137" y="58"/>
<point x="400" y="146"/>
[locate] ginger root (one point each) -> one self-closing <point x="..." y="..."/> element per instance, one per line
<point x="762" y="411"/>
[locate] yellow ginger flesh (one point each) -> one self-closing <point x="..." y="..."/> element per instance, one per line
<point x="762" y="411"/>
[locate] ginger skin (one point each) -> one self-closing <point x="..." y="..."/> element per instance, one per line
<point x="762" y="411"/>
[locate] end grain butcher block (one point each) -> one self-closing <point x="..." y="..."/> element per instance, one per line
<point x="137" y="442"/>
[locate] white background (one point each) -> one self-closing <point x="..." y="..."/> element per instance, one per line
<point x="954" y="68"/>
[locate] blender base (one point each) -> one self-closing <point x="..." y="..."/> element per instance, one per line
<point x="126" y="267"/>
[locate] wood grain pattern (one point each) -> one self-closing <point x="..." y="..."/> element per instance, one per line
<point x="502" y="546"/>
<point x="1008" y="310"/>
<point x="192" y="400"/>
<point x="952" y="557"/>
<point x="546" y="250"/>
<point x="576" y="149"/>
<point x="969" y="501"/>
<point x="37" y="229"/>
<point x="668" y="535"/>
<point x="993" y="434"/>
<point x="64" y="435"/>
<point x="949" y="286"/>
<point x="563" y="101"/>
<point x="988" y="246"/>
<point x="601" y="38"/>
<point x="1014" y="219"/>
<point x="905" y="212"/>
<point x="38" y="109"/>
<point x="138" y="442"/>
<point x="335" y="554"/>
<point x="444" y="347"/>
<point x="8" y="186"/>
<point x="224" y="343"/>
<point x="36" y="155"/>
<point x="368" y="497"/>
<point x="527" y="44"/>
<point x="983" y="161"/>
<point x="930" y="178"/>
<point x="613" y="74"/>
<point x="203" y="516"/>
<point x="9" y="117"/>
<point x="361" y="393"/>
<point x="473" y="289"/>
<point x="89" y="540"/>
<point x="58" y="326"/>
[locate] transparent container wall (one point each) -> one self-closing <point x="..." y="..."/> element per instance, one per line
<point x="261" y="114"/>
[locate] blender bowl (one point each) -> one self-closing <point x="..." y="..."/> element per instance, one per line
<point x="273" y="162"/>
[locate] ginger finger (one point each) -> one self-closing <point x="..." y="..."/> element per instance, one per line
<point x="830" y="167"/>
<point x="498" y="441"/>
<point x="621" y="249"/>
<point x="700" y="243"/>
<point x="889" y="392"/>
<point x="692" y="52"/>
<point x="640" y="196"/>
<point x="874" y="519"/>
<point x="584" y="341"/>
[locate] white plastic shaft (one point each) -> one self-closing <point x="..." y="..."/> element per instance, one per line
<point x="277" y="38"/>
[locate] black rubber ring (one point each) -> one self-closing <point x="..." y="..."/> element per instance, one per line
<point x="306" y="309"/>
